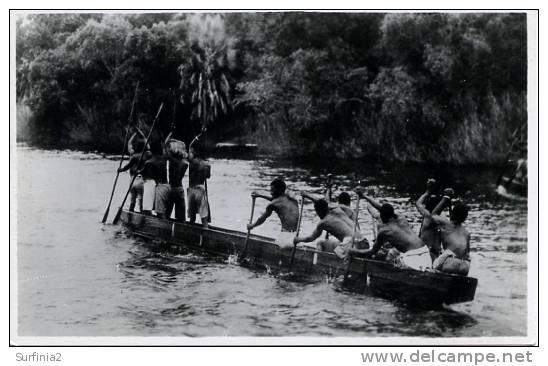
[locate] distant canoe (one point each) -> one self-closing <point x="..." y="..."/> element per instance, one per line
<point x="426" y="289"/>
<point x="514" y="189"/>
<point x="230" y="147"/>
<point x="514" y="185"/>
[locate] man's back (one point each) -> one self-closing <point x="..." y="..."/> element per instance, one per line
<point x="287" y="210"/>
<point x="455" y="238"/>
<point x="338" y="224"/>
<point x="398" y="232"/>
<point x="176" y="171"/>
<point x="429" y="232"/>
<point x="155" y="168"/>
<point x="198" y="172"/>
<point x="430" y="235"/>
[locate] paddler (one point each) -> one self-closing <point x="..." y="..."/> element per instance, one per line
<point x="339" y="225"/>
<point x="199" y="171"/>
<point x="287" y="209"/>
<point x="408" y="249"/>
<point x="343" y="203"/>
<point x="455" y="239"/>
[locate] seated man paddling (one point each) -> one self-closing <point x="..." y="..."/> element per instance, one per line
<point x="287" y="209"/>
<point x="330" y="243"/>
<point x="337" y="223"/>
<point x="408" y="249"/>
<point x="343" y="202"/>
<point x="455" y="239"/>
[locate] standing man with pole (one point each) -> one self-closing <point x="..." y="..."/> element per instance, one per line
<point x="119" y="213"/>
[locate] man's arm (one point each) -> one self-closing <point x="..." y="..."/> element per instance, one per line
<point x="259" y="195"/>
<point x="147" y="166"/>
<point x="130" y="141"/>
<point x="420" y="205"/>
<point x="445" y="201"/>
<point x="167" y="138"/>
<point x="374" y="214"/>
<point x="434" y="216"/>
<point x="360" y="191"/>
<point x="381" y="238"/>
<point x="125" y="167"/>
<point x="131" y="162"/>
<point x="314" y="199"/>
<point x="262" y="218"/>
<point x="313" y="236"/>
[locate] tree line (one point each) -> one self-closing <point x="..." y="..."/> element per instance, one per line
<point x="432" y="87"/>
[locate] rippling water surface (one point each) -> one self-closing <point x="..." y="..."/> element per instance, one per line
<point x="77" y="277"/>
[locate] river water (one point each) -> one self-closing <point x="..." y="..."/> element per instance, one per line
<point x="77" y="277"/>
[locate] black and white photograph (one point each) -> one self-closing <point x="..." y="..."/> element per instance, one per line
<point x="275" y="177"/>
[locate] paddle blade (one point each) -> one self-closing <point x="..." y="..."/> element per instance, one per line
<point x="117" y="217"/>
<point x="105" y="216"/>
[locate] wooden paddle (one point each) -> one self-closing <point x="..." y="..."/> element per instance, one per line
<point x="328" y="194"/>
<point x="119" y="213"/>
<point x="374" y="230"/>
<point x="356" y="213"/>
<point x="130" y="120"/>
<point x="244" y="253"/>
<point x="297" y="234"/>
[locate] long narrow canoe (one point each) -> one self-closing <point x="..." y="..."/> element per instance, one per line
<point x="430" y="289"/>
<point x="512" y="187"/>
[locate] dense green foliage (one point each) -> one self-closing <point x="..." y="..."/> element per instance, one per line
<point x="408" y="87"/>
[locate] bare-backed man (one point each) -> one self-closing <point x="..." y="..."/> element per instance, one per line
<point x="408" y="249"/>
<point x="198" y="204"/>
<point x="337" y="223"/>
<point x="455" y="239"/>
<point x="287" y="209"/>
<point x="168" y="167"/>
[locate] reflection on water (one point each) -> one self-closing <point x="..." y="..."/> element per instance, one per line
<point x="78" y="277"/>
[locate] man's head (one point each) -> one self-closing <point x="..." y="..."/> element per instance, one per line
<point x="459" y="213"/>
<point x="387" y="212"/>
<point x="344" y="199"/>
<point x="322" y="208"/>
<point x="176" y="149"/>
<point x="277" y="187"/>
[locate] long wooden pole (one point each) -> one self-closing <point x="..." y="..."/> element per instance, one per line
<point x="119" y="213"/>
<point x="244" y="253"/>
<point x="328" y="194"/>
<point x="297" y="234"/>
<point x="356" y="213"/>
<point x="130" y="120"/>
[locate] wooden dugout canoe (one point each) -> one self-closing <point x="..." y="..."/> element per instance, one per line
<point x="426" y="289"/>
